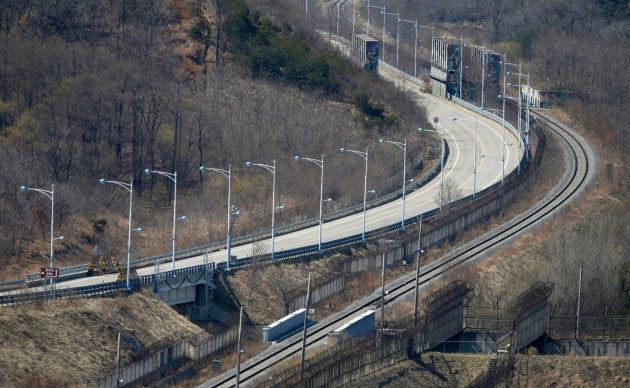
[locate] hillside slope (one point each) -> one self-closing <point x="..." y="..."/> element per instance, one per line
<point x="75" y="340"/>
<point x="458" y="370"/>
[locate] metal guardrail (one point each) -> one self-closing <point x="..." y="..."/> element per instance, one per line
<point x="17" y="297"/>
<point x="68" y="272"/>
<point x="295" y="253"/>
<point x="12" y="284"/>
<point x="72" y="271"/>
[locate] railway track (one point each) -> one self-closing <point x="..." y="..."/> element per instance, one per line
<point x="580" y="169"/>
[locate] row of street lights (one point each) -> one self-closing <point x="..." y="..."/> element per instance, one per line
<point x="129" y="188"/>
<point x="520" y="88"/>
<point x="384" y="12"/>
<point x="231" y="211"/>
<point x="503" y="97"/>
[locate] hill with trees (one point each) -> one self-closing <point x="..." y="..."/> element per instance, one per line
<point x="92" y="89"/>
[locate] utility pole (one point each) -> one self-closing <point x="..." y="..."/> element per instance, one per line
<point x="308" y="292"/>
<point x="238" y="349"/>
<point x="577" y="320"/>
<point x="382" y="299"/>
<point x="420" y="251"/>
<point x="118" y="363"/>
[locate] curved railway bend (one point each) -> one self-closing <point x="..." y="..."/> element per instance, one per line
<point x="580" y="169"/>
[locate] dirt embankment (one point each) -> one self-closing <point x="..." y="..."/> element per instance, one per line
<point x="462" y="370"/>
<point x="72" y="341"/>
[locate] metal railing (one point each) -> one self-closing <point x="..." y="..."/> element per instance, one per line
<point x="17" y="297"/>
<point x="80" y="270"/>
<point x="67" y="273"/>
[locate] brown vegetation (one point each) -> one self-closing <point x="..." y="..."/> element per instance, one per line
<point x="120" y="92"/>
<point x="457" y="370"/>
<point x="108" y="96"/>
<point x="75" y="340"/>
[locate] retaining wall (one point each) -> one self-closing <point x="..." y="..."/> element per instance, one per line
<point x="169" y="358"/>
<point x="588" y="348"/>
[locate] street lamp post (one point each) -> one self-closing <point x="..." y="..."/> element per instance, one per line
<point x="129" y="188"/>
<point x="272" y="170"/>
<point x="474" y="191"/>
<point x="503" y="133"/>
<point x="520" y="89"/>
<point x="50" y="194"/>
<point x="397" y="36"/>
<point x="172" y="177"/>
<point x="384" y="13"/>
<point x="415" y="50"/>
<point x="403" y="147"/>
<point x="415" y="47"/>
<point x="338" y="4"/>
<point x="228" y="174"/>
<point x="517" y="65"/>
<point x="502" y="113"/>
<point x="441" y="158"/>
<point x="320" y="164"/>
<point x="461" y="64"/>
<point x="338" y="11"/>
<point x="365" y="156"/>
<point x="483" y="74"/>
<point x="483" y="69"/>
<point x="397" y="33"/>
<point x="367" y="29"/>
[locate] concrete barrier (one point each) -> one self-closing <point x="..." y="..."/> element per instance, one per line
<point x="358" y="327"/>
<point x="284" y="326"/>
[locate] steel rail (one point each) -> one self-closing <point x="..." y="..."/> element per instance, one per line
<point x="578" y="174"/>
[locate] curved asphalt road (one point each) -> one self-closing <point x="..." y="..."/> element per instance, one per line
<point x="460" y="135"/>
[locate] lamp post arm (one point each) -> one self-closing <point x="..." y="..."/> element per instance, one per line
<point x="365" y="194"/>
<point x="228" y="174"/>
<point x="360" y="153"/>
<point x="273" y="211"/>
<point x="126" y="186"/>
<point x="319" y="163"/>
<point x="174" y="218"/>
<point x="272" y="170"/>
<point x="172" y="177"/>
<point x="50" y="194"/>
<point x="403" y="147"/>
<point x="129" y="188"/>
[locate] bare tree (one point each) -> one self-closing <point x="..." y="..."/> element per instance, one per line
<point x="450" y="192"/>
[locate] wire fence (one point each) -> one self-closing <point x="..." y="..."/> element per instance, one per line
<point x="591" y="328"/>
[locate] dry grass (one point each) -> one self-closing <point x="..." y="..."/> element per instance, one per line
<point x="511" y="270"/>
<point x="259" y="289"/>
<point x="432" y="370"/>
<point x="459" y="370"/>
<point x="69" y="341"/>
<point x="75" y="340"/>
<point x="558" y="371"/>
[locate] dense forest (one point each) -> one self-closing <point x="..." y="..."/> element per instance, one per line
<point x="96" y="89"/>
<point x="106" y="89"/>
<point x="93" y="89"/>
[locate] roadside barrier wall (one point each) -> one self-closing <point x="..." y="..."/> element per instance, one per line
<point x="165" y="360"/>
